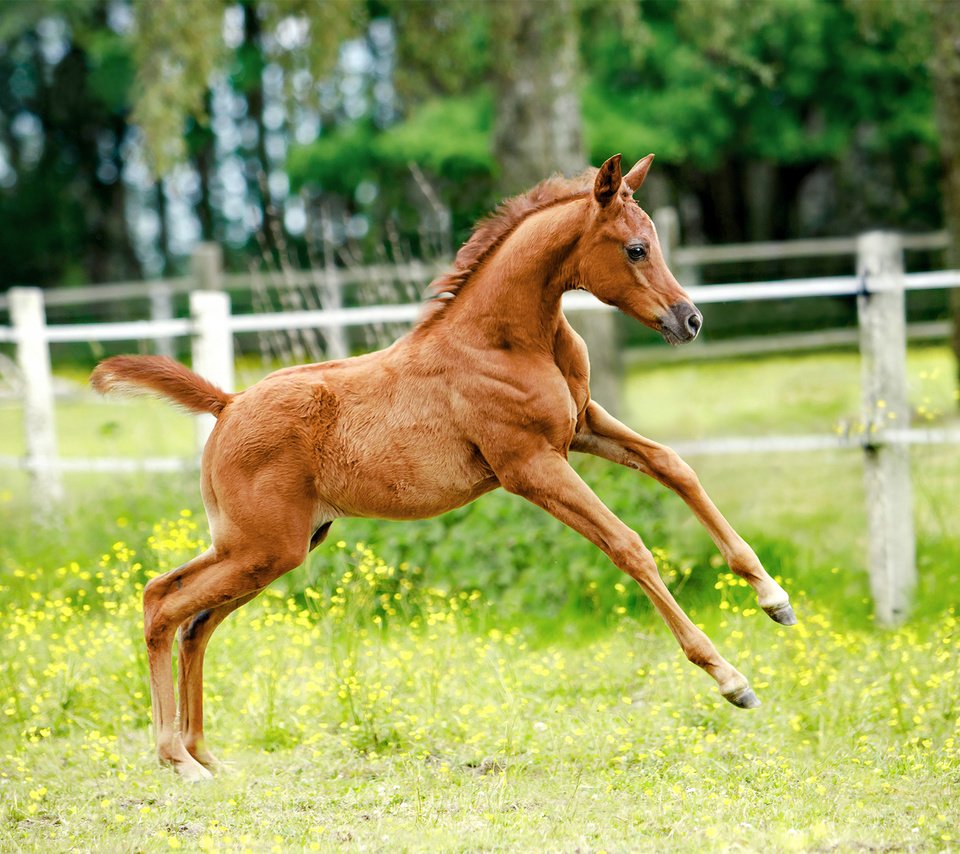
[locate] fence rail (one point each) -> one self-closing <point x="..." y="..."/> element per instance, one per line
<point x="413" y="271"/>
<point x="820" y="247"/>
<point x="879" y="287"/>
<point x="144" y="330"/>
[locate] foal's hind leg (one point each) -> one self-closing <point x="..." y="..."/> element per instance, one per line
<point x="606" y="437"/>
<point x="194" y="634"/>
<point x="159" y="639"/>
<point x="210" y="581"/>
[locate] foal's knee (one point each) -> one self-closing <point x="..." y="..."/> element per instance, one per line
<point x="152" y="593"/>
<point x="671" y="467"/>
<point x="629" y="553"/>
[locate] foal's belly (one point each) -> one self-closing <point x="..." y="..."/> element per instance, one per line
<point x="394" y="462"/>
<point x="401" y="483"/>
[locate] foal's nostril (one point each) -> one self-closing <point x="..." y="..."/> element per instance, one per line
<point x="682" y="322"/>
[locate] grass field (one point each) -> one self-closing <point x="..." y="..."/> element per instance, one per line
<point x="486" y="681"/>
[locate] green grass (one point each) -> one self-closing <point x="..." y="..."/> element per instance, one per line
<point x="367" y="712"/>
<point x="357" y="718"/>
<point x="551" y="711"/>
<point x="791" y="394"/>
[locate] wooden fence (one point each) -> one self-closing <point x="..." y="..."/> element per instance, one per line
<point x="883" y="434"/>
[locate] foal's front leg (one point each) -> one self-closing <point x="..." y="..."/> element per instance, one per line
<point x="604" y="436"/>
<point x="546" y="479"/>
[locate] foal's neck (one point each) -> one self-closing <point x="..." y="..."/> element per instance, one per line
<point x="514" y="297"/>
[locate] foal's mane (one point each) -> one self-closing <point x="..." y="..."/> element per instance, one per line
<point x="491" y="231"/>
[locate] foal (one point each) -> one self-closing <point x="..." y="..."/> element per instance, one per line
<point x="490" y="389"/>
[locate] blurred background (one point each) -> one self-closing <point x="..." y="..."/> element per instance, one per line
<point x="288" y="131"/>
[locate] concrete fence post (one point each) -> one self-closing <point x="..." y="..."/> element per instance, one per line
<point x="667" y="223"/>
<point x="212" y="348"/>
<point x="28" y="317"/>
<point x="161" y="308"/>
<point x="883" y="359"/>
<point x="598" y="328"/>
<point x="331" y="295"/>
<point x="206" y="266"/>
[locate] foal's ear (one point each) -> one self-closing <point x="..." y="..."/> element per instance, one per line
<point x="607" y="183"/>
<point x="634" y="178"/>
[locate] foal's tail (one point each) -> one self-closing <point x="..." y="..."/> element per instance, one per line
<point x="162" y="376"/>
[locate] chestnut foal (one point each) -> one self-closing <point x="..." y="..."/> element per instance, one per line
<point x="490" y="389"/>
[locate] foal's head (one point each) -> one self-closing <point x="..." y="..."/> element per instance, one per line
<point x="621" y="262"/>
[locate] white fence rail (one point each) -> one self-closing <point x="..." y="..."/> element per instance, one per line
<point x="879" y="287"/>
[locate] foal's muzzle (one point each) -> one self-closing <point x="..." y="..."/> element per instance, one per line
<point x="681" y="323"/>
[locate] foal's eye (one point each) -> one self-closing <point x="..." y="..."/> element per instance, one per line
<point x="636" y="252"/>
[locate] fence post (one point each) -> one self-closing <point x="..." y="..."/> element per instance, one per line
<point x="883" y="360"/>
<point x="598" y="328"/>
<point x="331" y="298"/>
<point x="29" y="321"/>
<point x="161" y="308"/>
<point x="212" y="348"/>
<point x="206" y="266"/>
<point x="667" y="223"/>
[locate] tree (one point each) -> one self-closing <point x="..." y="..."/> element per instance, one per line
<point x="186" y="49"/>
<point x="537" y="129"/>
<point x="537" y="125"/>
<point x="946" y="74"/>
<point x="64" y="78"/>
<point x="745" y="102"/>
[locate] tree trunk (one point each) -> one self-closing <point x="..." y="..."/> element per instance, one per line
<point x="259" y="183"/>
<point x="946" y="79"/>
<point x="204" y="161"/>
<point x="163" y="235"/>
<point x="537" y="127"/>
<point x="538" y="130"/>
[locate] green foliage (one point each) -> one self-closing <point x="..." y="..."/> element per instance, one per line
<point x="178" y="47"/>
<point x="338" y="161"/>
<point x="60" y="220"/>
<point x="741" y="102"/>
<point x="794" y="86"/>
<point x="449" y="137"/>
<point x="443" y="48"/>
<point x="790" y="82"/>
<point x="112" y="70"/>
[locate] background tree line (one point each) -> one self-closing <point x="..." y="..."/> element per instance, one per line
<point x="129" y="129"/>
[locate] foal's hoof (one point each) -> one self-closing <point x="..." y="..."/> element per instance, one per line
<point x="193" y="773"/>
<point x="782" y="614"/>
<point x="189" y="770"/>
<point x="206" y="759"/>
<point x="743" y="698"/>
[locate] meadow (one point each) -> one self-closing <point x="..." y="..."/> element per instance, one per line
<point x="488" y="681"/>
